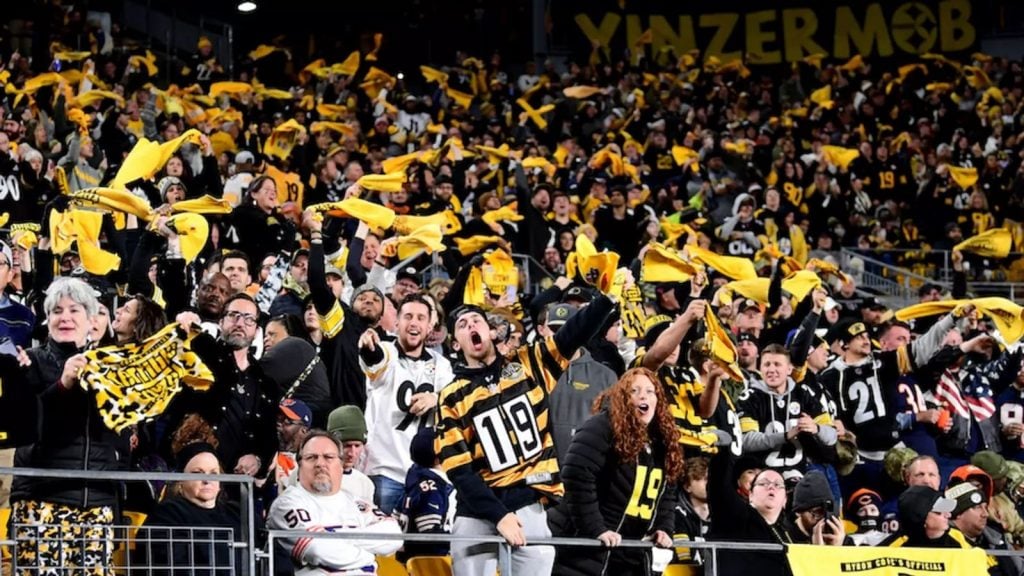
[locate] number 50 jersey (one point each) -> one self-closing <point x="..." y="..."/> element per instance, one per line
<point x="391" y="384"/>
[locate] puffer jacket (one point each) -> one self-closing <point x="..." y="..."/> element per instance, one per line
<point x="72" y="436"/>
<point x="599" y="491"/>
<point x="257" y="233"/>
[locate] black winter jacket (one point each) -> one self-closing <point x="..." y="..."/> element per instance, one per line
<point x="599" y="490"/>
<point x="242" y="416"/>
<point x="257" y="233"/>
<point x="734" y="519"/>
<point x="72" y="436"/>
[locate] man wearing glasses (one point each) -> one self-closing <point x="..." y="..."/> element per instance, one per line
<point x="317" y="503"/>
<point x="241" y="405"/>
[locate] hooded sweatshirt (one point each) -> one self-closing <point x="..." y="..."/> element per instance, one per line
<point x="766" y="416"/>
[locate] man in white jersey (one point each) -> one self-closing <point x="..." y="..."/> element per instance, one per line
<point x="318" y="504"/>
<point x="402" y="381"/>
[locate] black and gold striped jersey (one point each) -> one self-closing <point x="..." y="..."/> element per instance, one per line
<point x="494" y="435"/>
<point x="499" y="424"/>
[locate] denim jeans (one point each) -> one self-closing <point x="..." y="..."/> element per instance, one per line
<point x="387" y="494"/>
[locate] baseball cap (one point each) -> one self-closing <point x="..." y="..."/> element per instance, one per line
<point x="830" y="304"/>
<point x="852" y="331"/>
<point x="407" y="273"/>
<point x="296" y="411"/>
<point x="747" y="304"/>
<point x="992" y="463"/>
<point x="746" y="337"/>
<point x="872" y="303"/>
<point x="245" y="157"/>
<point x="577" y="293"/>
<point x="966" y="496"/>
<point x="330" y="268"/>
<point x="461" y="311"/>
<point x="559" y="314"/>
<point x="298" y="253"/>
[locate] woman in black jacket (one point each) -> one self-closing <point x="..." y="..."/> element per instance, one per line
<point x="71" y="436"/>
<point x="618" y="476"/>
<point x="257" y="227"/>
<point x="191" y="531"/>
<point x="761" y="519"/>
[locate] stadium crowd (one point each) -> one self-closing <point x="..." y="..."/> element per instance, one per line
<point x="335" y="254"/>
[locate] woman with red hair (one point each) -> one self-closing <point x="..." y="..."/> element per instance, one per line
<point x="618" y="475"/>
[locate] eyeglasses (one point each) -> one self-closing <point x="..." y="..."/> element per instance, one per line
<point x="769" y="485"/>
<point x="247" y="319"/>
<point x="328" y="458"/>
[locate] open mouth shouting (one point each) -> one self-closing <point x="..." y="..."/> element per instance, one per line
<point x="476" y="340"/>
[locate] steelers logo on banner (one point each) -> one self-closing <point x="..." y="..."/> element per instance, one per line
<point x="914" y="28"/>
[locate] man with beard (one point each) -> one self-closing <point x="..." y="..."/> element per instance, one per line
<point x="403" y="379"/>
<point x="340" y="326"/>
<point x="293" y="421"/>
<point x="241" y="406"/>
<point x="317" y="502"/>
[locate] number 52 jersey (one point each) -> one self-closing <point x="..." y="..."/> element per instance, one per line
<point x="391" y="384"/>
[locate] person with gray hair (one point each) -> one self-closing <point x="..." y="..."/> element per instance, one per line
<point x="71" y="436"/>
<point x="318" y="502"/>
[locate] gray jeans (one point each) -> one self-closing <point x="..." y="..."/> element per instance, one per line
<point x="476" y="559"/>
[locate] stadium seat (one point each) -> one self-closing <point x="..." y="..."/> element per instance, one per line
<point x="5" y="516"/>
<point x="388" y="566"/>
<point x="682" y="570"/>
<point x="133" y="520"/>
<point x="429" y="566"/>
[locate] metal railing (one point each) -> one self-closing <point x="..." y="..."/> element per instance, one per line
<point x="246" y="509"/>
<point x="126" y="537"/>
<point x="897" y="284"/>
<point x="505" y="549"/>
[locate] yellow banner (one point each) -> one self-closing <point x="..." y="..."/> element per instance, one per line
<point x="136" y="382"/>
<point x="772" y="33"/>
<point x="806" y="560"/>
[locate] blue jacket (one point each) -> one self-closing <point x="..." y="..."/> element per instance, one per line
<point x="16" y="322"/>
<point x="426" y="509"/>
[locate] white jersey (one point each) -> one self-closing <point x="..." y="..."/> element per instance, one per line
<point x="390" y="427"/>
<point x="358" y="485"/>
<point x="298" y="509"/>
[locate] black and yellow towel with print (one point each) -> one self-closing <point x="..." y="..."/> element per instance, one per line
<point x="808" y="560"/>
<point x="136" y="382"/>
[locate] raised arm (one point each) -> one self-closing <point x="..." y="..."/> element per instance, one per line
<point x="582" y="327"/>
<point x="670" y="339"/>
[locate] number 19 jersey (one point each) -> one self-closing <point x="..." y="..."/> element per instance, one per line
<point x="391" y="384"/>
<point x="495" y="420"/>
